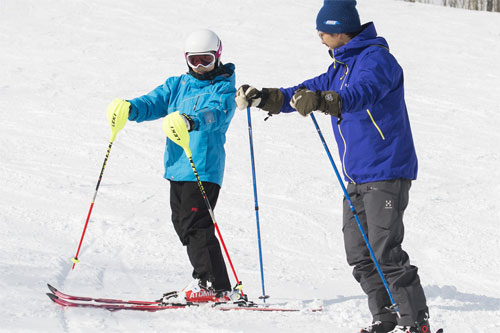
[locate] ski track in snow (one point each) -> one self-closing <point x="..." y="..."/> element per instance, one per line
<point x="63" y="62"/>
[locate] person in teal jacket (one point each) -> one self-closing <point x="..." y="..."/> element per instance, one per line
<point x="205" y="98"/>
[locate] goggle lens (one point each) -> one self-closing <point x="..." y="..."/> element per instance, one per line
<point x="200" y="59"/>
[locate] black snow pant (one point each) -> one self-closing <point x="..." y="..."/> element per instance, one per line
<point x="380" y="207"/>
<point x="195" y="228"/>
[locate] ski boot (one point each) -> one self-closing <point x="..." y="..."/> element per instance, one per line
<point x="379" y="327"/>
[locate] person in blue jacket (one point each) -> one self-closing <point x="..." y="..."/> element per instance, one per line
<point x="363" y="92"/>
<point x="205" y="98"/>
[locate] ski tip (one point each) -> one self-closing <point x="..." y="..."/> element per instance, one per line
<point x="51" y="288"/>
<point x="440" y="330"/>
<point x="52" y="296"/>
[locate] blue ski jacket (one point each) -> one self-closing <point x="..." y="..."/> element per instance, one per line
<point x="211" y="105"/>
<point x="373" y="135"/>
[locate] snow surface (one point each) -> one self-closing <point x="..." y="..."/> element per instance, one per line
<point x="63" y="61"/>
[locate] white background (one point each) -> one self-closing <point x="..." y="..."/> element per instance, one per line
<point x="63" y="61"/>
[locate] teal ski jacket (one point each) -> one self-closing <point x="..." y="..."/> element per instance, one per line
<point x="211" y="105"/>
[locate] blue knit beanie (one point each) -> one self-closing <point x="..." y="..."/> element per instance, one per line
<point x="338" y="16"/>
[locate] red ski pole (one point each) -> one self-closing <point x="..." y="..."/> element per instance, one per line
<point x="75" y="259"/>
<point x="175" y="129"/>
<point x="118" y="118"/>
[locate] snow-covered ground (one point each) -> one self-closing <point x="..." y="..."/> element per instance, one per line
<point x="63" y="61"/>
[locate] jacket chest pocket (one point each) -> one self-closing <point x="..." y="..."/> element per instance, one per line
<point x="190" y="104"/>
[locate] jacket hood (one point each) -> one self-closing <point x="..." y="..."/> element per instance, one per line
<point x="367" y="37"/>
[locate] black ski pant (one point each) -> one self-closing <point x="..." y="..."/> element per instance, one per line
<point x="195" y="228"/>
<point x="380" y="207"/>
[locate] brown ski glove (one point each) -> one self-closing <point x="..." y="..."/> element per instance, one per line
<point x="306" y="101"/>
<point x="267" y="99"/>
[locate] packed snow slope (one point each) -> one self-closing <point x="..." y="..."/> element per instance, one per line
<point x="63" y="61"/>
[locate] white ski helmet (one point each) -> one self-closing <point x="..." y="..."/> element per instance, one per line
<point x="203" y="41"/>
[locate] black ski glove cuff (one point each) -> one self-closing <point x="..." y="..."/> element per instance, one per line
<point x="190" y="123"/>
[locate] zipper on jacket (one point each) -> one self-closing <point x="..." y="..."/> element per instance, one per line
<point x="375" y="124"/>
<point x="343" y="77"/>
<point x="343" y="156"/>
<point x="196" y="104"/>
<point x="346" y="70"/>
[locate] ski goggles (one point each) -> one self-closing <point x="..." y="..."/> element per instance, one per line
<point x="204" y="60"/>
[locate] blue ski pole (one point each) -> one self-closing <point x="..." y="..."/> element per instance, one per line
<point x="348" y="198"/>
<point x="264" y="296"/>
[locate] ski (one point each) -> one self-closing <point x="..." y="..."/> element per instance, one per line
<point x="97" y="300"/>
<point x="159" y="307"/>
<point x="112" y="304"/>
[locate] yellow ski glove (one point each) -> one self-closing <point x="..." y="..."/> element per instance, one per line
<point x="117" y="115"/>
<point x="174" y="126"/>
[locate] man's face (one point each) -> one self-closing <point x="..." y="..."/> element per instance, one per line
<point x="332" y="41"/>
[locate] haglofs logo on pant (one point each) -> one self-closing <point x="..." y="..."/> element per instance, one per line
<point x="388" y="204"/>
